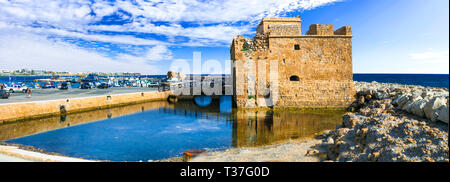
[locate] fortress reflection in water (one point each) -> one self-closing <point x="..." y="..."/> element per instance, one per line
<point x="249" y="128"/>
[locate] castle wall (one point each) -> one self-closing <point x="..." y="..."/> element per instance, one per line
<point x="323" y="66"/>
<point x="319" y="64"/>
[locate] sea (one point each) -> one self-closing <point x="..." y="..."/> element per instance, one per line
<point x="427" y="80"/>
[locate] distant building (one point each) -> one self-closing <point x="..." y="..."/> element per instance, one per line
<point x="38" y="72"/>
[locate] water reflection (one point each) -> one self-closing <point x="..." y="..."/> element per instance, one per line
<point x="160" y="129"/>
<point x="202" y="100"/>
<point x="265" y="127"/>
<point x="29" y="127"/>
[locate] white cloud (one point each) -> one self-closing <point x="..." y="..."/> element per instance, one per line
<point x="159" y="52"/>
<point x="74" y="18"/>
<point x="29" y="51"/>
<point x="216" y="10"/>
<point x="440" y="56"/>
<point x="69" y="14"/>
<point x="29" y="29"/>
<point x="220" y="33"/>
<point x="117" y="39"/>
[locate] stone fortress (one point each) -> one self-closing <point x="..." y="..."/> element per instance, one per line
<point x="308" y="71"/>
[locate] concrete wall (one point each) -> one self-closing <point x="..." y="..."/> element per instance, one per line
<point x="26" y="110"/>
<point x="24" y="128"/>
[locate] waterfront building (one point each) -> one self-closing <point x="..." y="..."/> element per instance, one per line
<point x="312" y="70"/>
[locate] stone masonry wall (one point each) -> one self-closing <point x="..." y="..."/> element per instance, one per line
<point x="280" y="26"/>
<point x="318" y="29"/>
<point x="320" y="62"/>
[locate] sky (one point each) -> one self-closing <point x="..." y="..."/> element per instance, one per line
<point x="150" y="37"/>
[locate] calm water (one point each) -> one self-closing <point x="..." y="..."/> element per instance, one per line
<point x="159" y="130"/>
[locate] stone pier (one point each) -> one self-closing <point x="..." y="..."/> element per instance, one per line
<point x="35" y="109"/>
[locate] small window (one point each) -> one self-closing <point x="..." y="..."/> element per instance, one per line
<point x="294" y="78"/>
<point x="297" y="47"/>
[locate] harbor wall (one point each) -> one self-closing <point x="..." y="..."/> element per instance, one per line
<point x="28" y="110"/>
<point x="24" y="128"/>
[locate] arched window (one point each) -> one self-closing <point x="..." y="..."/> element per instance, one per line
<point x="294" y="78"/>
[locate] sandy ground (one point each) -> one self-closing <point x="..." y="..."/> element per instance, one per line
<point x="15" y="154"/>
<point x="291" y="151"/>
<point x="7" y="158"/>
<point x="304" y="150"/>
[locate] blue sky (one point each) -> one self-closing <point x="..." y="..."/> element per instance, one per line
<point x="390" y="36"/>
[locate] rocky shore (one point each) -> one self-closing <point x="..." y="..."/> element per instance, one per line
<point x="392" y="122"/>
<point x="427" y="102"/>
<point x="386" y="123"/>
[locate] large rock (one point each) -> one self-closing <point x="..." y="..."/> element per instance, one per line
<point x="417" y="93"/>
<point x="348" y="121"/>
<point x="433" y="105"/>
<point x="401" y="100"/>
<point x="427" y="95"/>
<point x="381" y="95"/>
<point x="417" y="107"/>
<point x="408" y="106"/>
<point x="442" y="113"/>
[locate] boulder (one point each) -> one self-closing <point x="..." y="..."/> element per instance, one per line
<point x="396" y="100"/>
<point x="408" y="106"/>
<point x="401" y="100"/>
<point x="441" y="113"/>
<point x="330" y="140"/>
<point x="361" y="100"/>
<point x="427" y="95"/>
<point x="417" y="107"/>
<point x="433" y="105"/>
<point x="417" y="93"/>
<point x="348" y="121"/>
<point x="381" y="95"/>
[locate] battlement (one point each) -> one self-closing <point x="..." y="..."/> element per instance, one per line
<point x="280" y="26"/>
<point x="291" y="26"/>
<point x="345" y="30"/>
<point x="320" y="29"/>
<point x="281" y="19"/>
<point x="323" y="29"/>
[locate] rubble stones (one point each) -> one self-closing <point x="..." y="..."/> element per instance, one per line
<point x="427" y="102"/>
<point x="393" y="125"/>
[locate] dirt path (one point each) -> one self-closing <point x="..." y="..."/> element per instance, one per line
<point x="7" y="158"/>
<point x="292" y="151"/>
